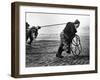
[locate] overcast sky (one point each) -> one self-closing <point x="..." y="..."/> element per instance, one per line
<point x="40" y="19"/>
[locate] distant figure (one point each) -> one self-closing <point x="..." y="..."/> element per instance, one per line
<point x="66" y="37"/>
<point x="32" y="33"/>
<point x="27" y="28"/>
<point x="27" y="25"/>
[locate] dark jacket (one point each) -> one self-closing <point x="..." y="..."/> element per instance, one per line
<point x="34" y="30"/>
<point x="70" y="30"/>
<point x="31" y="31"/>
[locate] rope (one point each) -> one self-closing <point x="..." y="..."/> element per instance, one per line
<point x="77" y="44"/>
<point x="53" y="25"/>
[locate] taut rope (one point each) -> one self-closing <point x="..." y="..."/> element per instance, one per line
<point x="53" y="25"/>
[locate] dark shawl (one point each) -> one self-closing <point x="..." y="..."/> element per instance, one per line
<point x="70" y="30"/>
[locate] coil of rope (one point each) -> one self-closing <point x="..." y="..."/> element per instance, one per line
<point x="77" y="45"/>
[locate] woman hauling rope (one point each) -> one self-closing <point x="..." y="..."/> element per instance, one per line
<point x="66" y="37"/>
<point x="31" y="33"/>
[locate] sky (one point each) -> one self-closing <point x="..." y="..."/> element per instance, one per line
<point x="41" y="19"/>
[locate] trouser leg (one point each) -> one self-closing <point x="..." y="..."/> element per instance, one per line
<point x="31" y="39"/>
<point x="68" y="43"/>
<point x="60" y="49"/>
